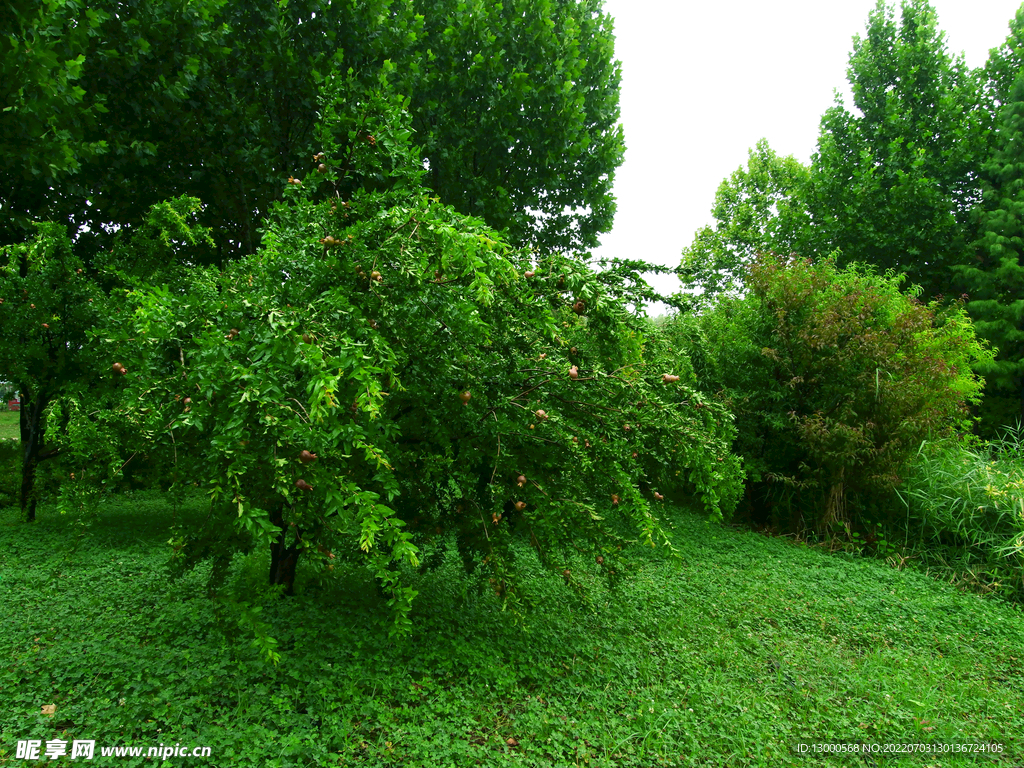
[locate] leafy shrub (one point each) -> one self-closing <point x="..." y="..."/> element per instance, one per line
<point x="836" y="377"/>
<point x="965" y="511"/>
<point x="386" y="373"/>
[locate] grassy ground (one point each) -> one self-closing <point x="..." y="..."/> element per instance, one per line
<point x="9" y="424"/>
<point x="753" y="645"/>
<point x="10" y="457"/>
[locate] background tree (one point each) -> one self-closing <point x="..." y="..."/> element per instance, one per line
<point x="46" y="111"/>
<point x="99" y="111"/>
<point x="218" y="101"/>
<point x="894" y="185"/>
<point x="995" y="281"/>
<point x="1005" y="63"/>
<point x="758" y="209"/>
<point x="47" y="307"/>
<point x="51" y="310"/>
<point x="516" y="105"/>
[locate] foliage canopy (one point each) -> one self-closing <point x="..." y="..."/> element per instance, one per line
<point x="759" y="209"/>
<point x="514" y="104"/>
<point x="995" y="278"/>
<point x="894" y="182"/>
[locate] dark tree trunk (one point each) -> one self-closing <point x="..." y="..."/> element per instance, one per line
<point x="31" y="423"/>
<point x="283" y="557"/>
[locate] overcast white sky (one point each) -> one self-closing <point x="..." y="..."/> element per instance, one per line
<point x="703" y="81"/>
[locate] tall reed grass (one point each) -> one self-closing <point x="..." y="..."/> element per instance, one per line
<point x="965" y="512"/>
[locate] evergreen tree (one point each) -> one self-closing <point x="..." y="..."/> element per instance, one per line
<point x="996" y="279"/>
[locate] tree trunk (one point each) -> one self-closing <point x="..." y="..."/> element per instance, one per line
<point x="283" y="557"/>
<point x="31" y="423"/>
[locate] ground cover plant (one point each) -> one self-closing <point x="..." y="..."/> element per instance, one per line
<point x="749" y="646"/>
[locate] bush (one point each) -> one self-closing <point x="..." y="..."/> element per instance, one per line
<point x="835" y="377"/>
<point x="965" y="511"/>
<point x="386" y="374"/>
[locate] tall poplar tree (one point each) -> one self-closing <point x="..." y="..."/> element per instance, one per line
<point x="516" y="106"/>
<point x="895" y="179"/>
<point x="514" y="103"/>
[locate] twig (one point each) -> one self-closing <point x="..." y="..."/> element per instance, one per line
<point x="528" y="391"/>
<point x="431" y="311"/>
<point x="589" y="405"/>
<point x="136" y="454"/>
<point x="308" y="420"/>
<point x="538" y="437"/>
<point x="495" y="470"/>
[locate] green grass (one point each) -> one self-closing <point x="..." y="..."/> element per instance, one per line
<point x="10" y="458"/>
<point x="751" y="646"/>
<point x="9" y="429"/>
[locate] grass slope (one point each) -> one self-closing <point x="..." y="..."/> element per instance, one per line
<point x="9" y="424"/>
<point x="753" y="645"/>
